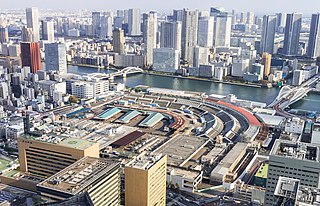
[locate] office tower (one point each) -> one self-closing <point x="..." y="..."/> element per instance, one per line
<point x="106" y="26"/>
<point x="145" y="181"/>
<point x="26" y="34"/>
<point x="33" y="22"/>
<point x="134" y="18"/>
<point x="16" y="87"/>
<point x="205" y="31"/>
<point x="4" y="37"/>
<point x="281" y="22"/>
<point x="298" y="77"/>
<point x="97" y="178"/>
<point x="243" y="18"/>
<point x="189" y="36"/>
<point x="266" y="61"/>
<point x="59" y="26"/>
<point x="200" y="56"/>
<point x="30" y="55"/>
<point x="268" y="34"/>
<point x="96" y="23"/>
<point x="48" y="31"/>
<point x="118" y="41"/>
<point x="118" y="22"/>
<point x="292" y="160"/>
<point x="170" y="35"/>
<point x="55" y="54"/>
<point x="222" y="31"/>
<point x="178" y="15"/>
<point x="314" y="37"/>
<point x="150" y="28"/>
<point x="234" y="17"/>
<point x="4" y="90"/>
<point x="166" y="60"/>
<point x="44" y="156"/>
<point x="250" y="18"/>
<point x="292" y="34"/>
<point x="215" y="11"/>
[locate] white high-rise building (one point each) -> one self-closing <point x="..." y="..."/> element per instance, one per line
<point x="222" y="31"/>
<point x="166" y="60"/>
<point x="106" y="26"/>
<point x="201" y="56"/>
<point x="268" y="34"/>
<point x="298" y="77"/>
<point x="205" y="31"/>
<point x="293" y="160"/>
<point x="170" y="35"/>
<point x="48" y="31"/>
<point x="33" y="22"/>
<point x="150" y="28"/>
<point x="189" y="35"/>
<point x="55" y="55"/>
<point x="134" y="19"/>
<point x="250" y="18"/>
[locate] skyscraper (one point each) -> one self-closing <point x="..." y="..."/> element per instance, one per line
<point x="205" y="31"/>
<point x="150" y="28"/>
<point x="178" y="15"/>
<point x="30" y="55"/>
<point x="145" y="181"/>
<point x="222" y="31"/>
<point x="106" y="26"/>
<point x="134" y="19"/>
<point x="314" y="37"/>
<point x="4" y="35"/>
<point x="189" y="35"/>
<point x="250" y="18"/>
<point x="268" y="33"/>
<point x="48" y="31"/>
<point x="266" y="61"/>
<point x="55" y="54"/>
<point x="33" y="22"/>
<point x="170" y="35"/>
<point x="281" y="22"/>
<point x="26" y="34"/>
<point x="292" y="34"/>
<point x="118" y="41"/>
<point x="96" y="23"/>
<point x="243" y="18"/>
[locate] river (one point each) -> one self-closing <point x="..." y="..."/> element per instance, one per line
<point x="311" y="102"/>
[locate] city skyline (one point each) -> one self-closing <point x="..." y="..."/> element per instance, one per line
<point x="166" y="5"/>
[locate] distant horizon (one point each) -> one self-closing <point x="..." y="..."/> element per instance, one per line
<point x="269" y="7"/>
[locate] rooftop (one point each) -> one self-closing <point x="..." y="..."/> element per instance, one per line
<point x="109" y="113"/>
<point x="151" y="120"/>
<point x="263" y="171"/>
<point x="77" y="176"/>
<point x="129" y="116"/>
<point x="145" y="162"/>
<point x="302" y="151"/>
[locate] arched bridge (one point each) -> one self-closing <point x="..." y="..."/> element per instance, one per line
<point x="126" y="71"/>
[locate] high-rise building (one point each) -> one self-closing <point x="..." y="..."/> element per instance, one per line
<point x="30" y="55"/>
<point x="106" y="26"/>
<point x="281" y="22"/>
<point x="26" y="34"/>
<point x="145" y="181"/>
<point x="59" y="26"/>
<point x="314" y="37"/>
<point x="200" y="56"/>
<point x="98" y="179"/>
<point x="4" y="37"/>
<point x="96" y="23"/>
<point x="178" y="15"/>
<point x="243" y="18"/>
<point x="45" y="156"/>
<point x="292" y="160"/>
<point x="268" y="34"/>
<point x="222" y="31"/>
<point x="205" y="31"/>
<point x="250" y="18"/>
<point x="150" y="28"/>
<point x="33" y="22"/>
<point x="48" y="31"/>
<point x="234" y="17"/>
<point x="134" y="19"/>
<point x="170" y="35"/>
<point x="292" y="34"/>
<point x="298" y="77"/>
<point x="266" y="61"/>
<point x="118" y="41"/>
<point x="165" y="60"/>
<point x="55" y="55"/>
<point x="189" y="35"/>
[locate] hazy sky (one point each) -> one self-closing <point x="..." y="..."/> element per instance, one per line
<point x="260" y="6"/>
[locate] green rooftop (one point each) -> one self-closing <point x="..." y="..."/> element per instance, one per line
<point x="11" y="173"/>
<point x="263" y="171"/>
<point x="76" y="143"/>
<point x="3" y="164"/>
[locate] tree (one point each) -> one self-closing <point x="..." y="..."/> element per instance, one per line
<point x="73" y="99"/>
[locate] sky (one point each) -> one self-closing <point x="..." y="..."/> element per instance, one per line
<point x="259" y="6"/>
